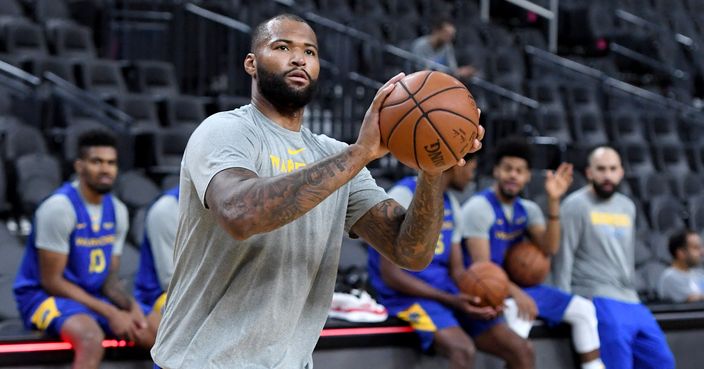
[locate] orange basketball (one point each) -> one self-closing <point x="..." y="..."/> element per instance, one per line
<point x="526" y="264"/>
<point x="487" y="281"/>
<point x="429" y="120"/>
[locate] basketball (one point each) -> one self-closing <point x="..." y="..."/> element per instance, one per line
<point x="526" y="264"/>
<point x="429" y="121"/>
<point x="487" y="281"/>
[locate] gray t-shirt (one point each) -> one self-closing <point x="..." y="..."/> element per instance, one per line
<point x="260" y="302"/>
<point x="479" y="217"/>
<point x="403" y="195"/>
<point x="55" y="219"/>
<point x="444" y="55"/>
<point x="596" y="257"/>
<point x="677" y="285"/>
<point x="161" y="223"/>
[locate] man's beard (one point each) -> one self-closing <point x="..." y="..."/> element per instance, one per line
<point x="284" y="98"/>
<point x="100" y="189"/>
<point x="602" y="192"/>
<point x="506" y="195"/>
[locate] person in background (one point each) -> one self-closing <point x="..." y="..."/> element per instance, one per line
<point x="683" y="281"/>
<point x="437" y="47"/>
<point x="67" y="284"/>
<point x="156" y="263"/>
<point x="596" y="261"/>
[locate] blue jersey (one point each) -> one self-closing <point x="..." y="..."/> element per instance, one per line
<point x="436" y="274"/>
<point x="90" y="251"/>
<point x="503" y="234"/>
<point x="147" y="288"/>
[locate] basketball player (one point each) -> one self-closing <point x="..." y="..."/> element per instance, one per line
<point x="596" y="261"/>
<point x="156" y="256"/>
<point x="683" y="280"/>
<point x="67" y="285"/>
<point x="497" y="218"/>
<point x="263" y="207"/>
<point x="429" y="300"/>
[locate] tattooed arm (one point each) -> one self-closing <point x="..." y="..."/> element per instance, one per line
<point x="407" y="238"/>
<point x="246" y="204"/>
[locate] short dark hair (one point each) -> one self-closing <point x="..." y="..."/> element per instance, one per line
<point x="514" y="147"/>
<point x="93" y="138"/>
<point x="440" y="21"/>
<point x="678" y="241"/>
<point x="260" y="33"/>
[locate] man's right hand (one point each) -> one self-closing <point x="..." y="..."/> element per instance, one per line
<point x="122" y="324"/>
<point x="369" y="134"/>
<point x="470" y="305"/>
<point x="527" y="309"/>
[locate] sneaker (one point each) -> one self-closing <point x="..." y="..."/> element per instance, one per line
<point x="357" y="306"/>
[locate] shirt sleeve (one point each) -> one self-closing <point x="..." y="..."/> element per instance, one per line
<point x="161" y="224"/>
<point x="402" y="194"/>
<point x="535" y="215"/>
<point x="222" y="141"/>
<point x="457" y="231"/>
<point x="571" y="228"/>
<point x="478" y="216"/>
<point x="673" y="287"/>
<point x="364" y="194"/>
<point x="54" y="221"/>
<point x="122" y="226"/>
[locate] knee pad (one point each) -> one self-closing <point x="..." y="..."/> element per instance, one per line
<point x="581" y="314"/>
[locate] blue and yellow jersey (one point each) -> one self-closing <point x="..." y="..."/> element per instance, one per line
<point x="437" y="273"/>
<point x="504" y="233"/>
<point x="90" y="250"/>
<point x="147" y="288"/>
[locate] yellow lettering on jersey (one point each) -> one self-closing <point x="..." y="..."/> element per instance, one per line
<point x="97" y="261"/>
<point x="612" y="219"/>
<point x="418" y="318"/>
<point x="509" y="236"/>
<point x="440" y="246"/>
<point x="285" y="165"/>
<point x="45" y="313"/>
<point x="95" y="242"/>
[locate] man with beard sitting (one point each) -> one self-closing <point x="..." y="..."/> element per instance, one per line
<point x="67" y="285"/>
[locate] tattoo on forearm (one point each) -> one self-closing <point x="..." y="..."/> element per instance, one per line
<point x="406" y="236"/>
<point x="281" y="199"/>
<point x="115" y="292"/>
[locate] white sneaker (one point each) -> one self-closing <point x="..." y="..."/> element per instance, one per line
<point x="357" y="306"/>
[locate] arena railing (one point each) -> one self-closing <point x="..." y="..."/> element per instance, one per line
<point x="686" y="110"/>
<point x="549" y="14"/>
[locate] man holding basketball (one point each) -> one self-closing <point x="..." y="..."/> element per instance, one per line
<point x="263" y="206"/>
<point x="498" y="218"/>
<point x="429" y="300"/>
<point x="596" y="261"/>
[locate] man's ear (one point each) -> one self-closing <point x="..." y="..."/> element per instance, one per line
<point x="250" y="65"/>
<point x="78" y="165"/>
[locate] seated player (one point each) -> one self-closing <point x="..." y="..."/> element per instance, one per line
<point x="497" y="218"/>
<point x="683" y="281"/>
<point x="67" y="285"/>
<point x="429" y="300"/>
<point x="156" y="256"/>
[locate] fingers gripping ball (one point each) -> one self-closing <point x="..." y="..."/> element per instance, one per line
<point x="429" y="121"/>
<point x="526" y="264"/>
<point x="487" y="281"/>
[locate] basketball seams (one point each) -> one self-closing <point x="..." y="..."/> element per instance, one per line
<point x="410" y="94"/>
<point x="454" y="113"/>
<point x="398" y="122"/>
